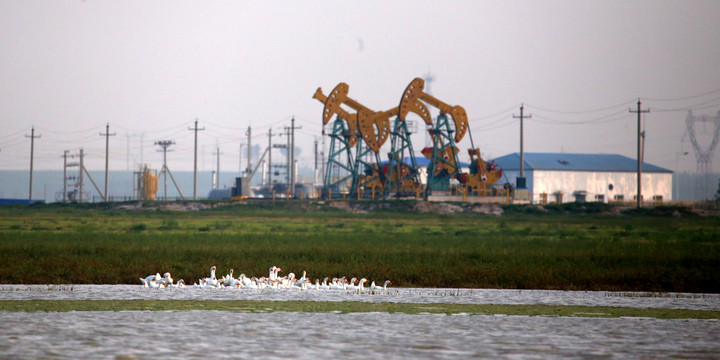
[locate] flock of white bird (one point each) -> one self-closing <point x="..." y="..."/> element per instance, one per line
<point x="272" y="281"/>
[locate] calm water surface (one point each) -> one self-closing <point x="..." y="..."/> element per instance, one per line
<point x="405" y="295"/>
<point x="280" y="335"/>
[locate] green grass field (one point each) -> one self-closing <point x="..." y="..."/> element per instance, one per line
<point x="524" y="249"/>
<point x="344" y="307"/>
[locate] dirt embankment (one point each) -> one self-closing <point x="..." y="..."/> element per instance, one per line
<point x="423" y="207"/>
<point x="361" y="207"/>
<point x="418" y="207"/>
<point x="171" y="205"/>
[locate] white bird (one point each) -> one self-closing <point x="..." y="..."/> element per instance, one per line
<point x="166" y="279"/>
<point x="146" y="281"/>
<point x="228" y="280"/>
<point x="361" y="286"/>
<point x="351" y="284"/>
<point x="315" y="286"/>
<point x="298" y="285"/>
<point x="212" y="281"/>
<point x="262" y="283"/>
<point x="179" y="284"/>
<point x="378" y="288"/>
<point x="274" y="273"/>
<point x="336" y="284"/>
<point x="287" y="281"/>
<point x="244" y="280"/>
<point x="302" y="279"/>
<point x="155" y="285"/>
<point x="211" y="285"/>
<point x="272" y="285"/>
<point x="251" y="284"/>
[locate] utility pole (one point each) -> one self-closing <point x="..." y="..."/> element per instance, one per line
<point x="217" y="168"/>
<point x="65" y="156"/>
<point x="32" y="156"/>
<point x="322" y="157"/>
<point x="196" y="129"/>
<point x="82" y="178"/>
<point x="315" y="175"/>
<point x="165" y="144"/>
<point x="248" y="133"/>
<point x="269" y="179"/>
<point x="287" y="158"/>
<point x="107" y="135"/>
<point x="522" y="151"/>
<point x="80" y="175"/>
<point x="639" y="112"/>
<point x="291" y="155"/>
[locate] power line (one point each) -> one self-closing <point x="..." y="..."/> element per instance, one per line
<point x="603" y="119"/>
<point x="624" y="103"/>
<point x="684" y="98"/>
<point x="709" y="103"/>
<point x="493" y="115"/>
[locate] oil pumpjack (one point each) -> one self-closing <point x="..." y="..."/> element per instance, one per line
<point x="354" y="164"/>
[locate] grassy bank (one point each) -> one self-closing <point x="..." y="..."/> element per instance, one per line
<point x="520" y="249"/>
<point x="255" y="306"/>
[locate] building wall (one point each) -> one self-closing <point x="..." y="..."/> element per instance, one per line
<point x="594" y="183"/>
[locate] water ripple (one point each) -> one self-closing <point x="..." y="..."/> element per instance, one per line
<point x="281" y="335"/>
<point x="396" y="295"/>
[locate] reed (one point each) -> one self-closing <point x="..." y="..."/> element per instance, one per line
<point x="630" y="252"/>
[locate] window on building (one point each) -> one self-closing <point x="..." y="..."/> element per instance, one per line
<point x="657" y="198"/>
<point x="600" y="197"/>
<point x="620" y="197"/>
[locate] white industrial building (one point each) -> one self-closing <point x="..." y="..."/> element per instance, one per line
<point x="561" y="177"/>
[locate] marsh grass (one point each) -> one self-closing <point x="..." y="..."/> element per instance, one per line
<point x="345" y="307"/>
<point x="637" y="252"/>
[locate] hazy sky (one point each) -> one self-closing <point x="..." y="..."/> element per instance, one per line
<point x="150" y="68"/>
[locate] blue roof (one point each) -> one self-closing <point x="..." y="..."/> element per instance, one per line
<point x="18" y="201"/>
<point x="576" y="162"/>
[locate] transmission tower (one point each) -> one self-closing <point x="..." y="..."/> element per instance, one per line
<point x="164" y="144"/>
<point x="78" y="193"/>
<point x="703" y="156"/>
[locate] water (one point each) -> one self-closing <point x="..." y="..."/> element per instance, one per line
<point x="282" y="335"/>
<point x="404" y="295"/>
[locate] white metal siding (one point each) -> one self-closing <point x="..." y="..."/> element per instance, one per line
<point x="594" y="183"/>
